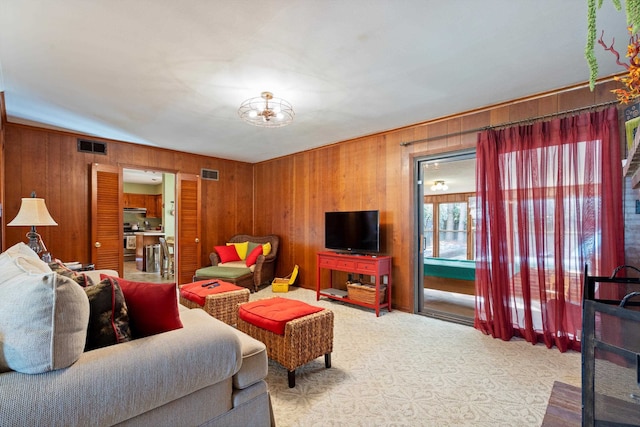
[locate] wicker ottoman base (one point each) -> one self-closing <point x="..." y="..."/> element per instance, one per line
<point x="304" y="339"/>
<point x="222" y="306"/>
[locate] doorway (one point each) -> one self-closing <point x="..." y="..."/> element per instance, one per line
<point x="149" y="215"/>
<point x="445" y="277"/>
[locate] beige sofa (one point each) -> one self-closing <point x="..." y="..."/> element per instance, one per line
<point x="205" y="373"/>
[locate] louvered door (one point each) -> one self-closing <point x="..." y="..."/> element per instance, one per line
<point x="107" y="249"/>
<point x="188" y="233"/>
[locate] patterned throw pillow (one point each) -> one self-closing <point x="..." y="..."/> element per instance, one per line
<point x="80" y="278"/>
<point x="108" y="315"/>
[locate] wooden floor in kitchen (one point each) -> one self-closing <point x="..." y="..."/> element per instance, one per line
<point x="132" y="273"/>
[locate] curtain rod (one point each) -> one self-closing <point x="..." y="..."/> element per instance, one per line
<point x="508" y="124"/>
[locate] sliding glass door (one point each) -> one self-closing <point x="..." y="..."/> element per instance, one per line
<point x="445" y="194"/>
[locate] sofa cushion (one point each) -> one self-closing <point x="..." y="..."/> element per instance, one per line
<point x="227" y="253"/>
<point x="43" y="322"/>
<point x="223" y="272"/>
<point x="79" y="277"/>
<point x="108" y="318"/>
<point x="241" y="248"/>
<point x="273" y="314"/>
<point x="115" y="384"/>
<point x="251" y="246"/>
<point x="253" y="256"/>
<point x="255" y="365"/>
<point x="152" y="307"/>
<point x="238" y="264"/>
<point x="20" y="259"/>
<point x="266" y="249"/>
<point x="22" y="250"/>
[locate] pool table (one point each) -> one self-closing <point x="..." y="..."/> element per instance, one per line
<point x="452" y="275"/>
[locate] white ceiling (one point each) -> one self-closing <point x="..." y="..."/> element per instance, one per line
<point x="148" y="177"/>
<point x="172" y="74"/>
<point x="458" y="175"/>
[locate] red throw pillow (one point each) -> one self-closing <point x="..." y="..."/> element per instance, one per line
<point x="253" y="256"/>
<point x="227" y="253"/>
<point x="153" y="307"/>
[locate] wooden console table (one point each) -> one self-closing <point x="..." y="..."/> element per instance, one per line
<point x="372" y="265"/>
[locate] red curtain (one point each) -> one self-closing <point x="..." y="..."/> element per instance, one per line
<point x="549" y="201"/>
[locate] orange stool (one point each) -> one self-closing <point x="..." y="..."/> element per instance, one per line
<point x="220" y="301"/>
<point x="294" y="332"/>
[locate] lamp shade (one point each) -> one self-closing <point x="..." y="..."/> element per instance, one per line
<point x="33" y="211"/>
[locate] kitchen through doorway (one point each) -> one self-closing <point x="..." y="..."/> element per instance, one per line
<point x="148" y="218"/>
<point x="445" y="192"/>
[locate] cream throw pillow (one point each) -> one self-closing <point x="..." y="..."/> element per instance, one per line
<point x="20" y="259"/>
<point x="43" y="322"/>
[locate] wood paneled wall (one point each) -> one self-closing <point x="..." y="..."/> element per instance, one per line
<point x="286" y="196"/>
<point x="48" y="162"/>
<point x="3" y="121"/>
<point x="376" y="172"/>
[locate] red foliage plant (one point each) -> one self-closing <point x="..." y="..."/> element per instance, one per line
<point x="631" y="81"/>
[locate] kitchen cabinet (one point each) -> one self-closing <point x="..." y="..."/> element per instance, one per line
<point x="154" y="206"/>
<point x="133" y="200"/>
<point x="151" y="202"/>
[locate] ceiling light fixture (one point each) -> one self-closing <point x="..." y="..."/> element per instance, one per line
<point x="439" y="186"/>
<point x="266" y="111"/>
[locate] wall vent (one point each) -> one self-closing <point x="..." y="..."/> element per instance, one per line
<point x="88" y="146"/>
<point x="210" y="174"/>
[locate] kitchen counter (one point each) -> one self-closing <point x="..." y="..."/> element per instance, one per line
<point x="149" y="233"/>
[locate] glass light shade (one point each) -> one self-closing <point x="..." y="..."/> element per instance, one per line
<point x="261" y="111"/>
<point x="33" y="211"/>
<point x="439" y="186"/>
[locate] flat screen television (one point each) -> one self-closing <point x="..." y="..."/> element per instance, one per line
<point x="354" y="231"/>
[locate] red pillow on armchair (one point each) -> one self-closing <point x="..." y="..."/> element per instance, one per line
<point x="253" y="256"/>
<point x="227" y="253"/>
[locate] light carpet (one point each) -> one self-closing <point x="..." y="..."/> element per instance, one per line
<point x="402" y="369"/>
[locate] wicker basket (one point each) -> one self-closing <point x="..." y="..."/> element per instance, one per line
<point x="365" y="293"/>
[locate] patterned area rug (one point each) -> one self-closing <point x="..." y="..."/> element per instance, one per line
<point x="402" y="369"/>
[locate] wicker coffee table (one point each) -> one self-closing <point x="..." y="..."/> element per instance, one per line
<point x="221" y="305"/>
<point x="304" y="339"/>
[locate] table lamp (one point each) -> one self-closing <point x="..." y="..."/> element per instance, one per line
<point x="33" y="211"/>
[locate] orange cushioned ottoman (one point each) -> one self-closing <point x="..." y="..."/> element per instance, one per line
<point x="294" y="332"/>
<point x="218" y="298"/>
